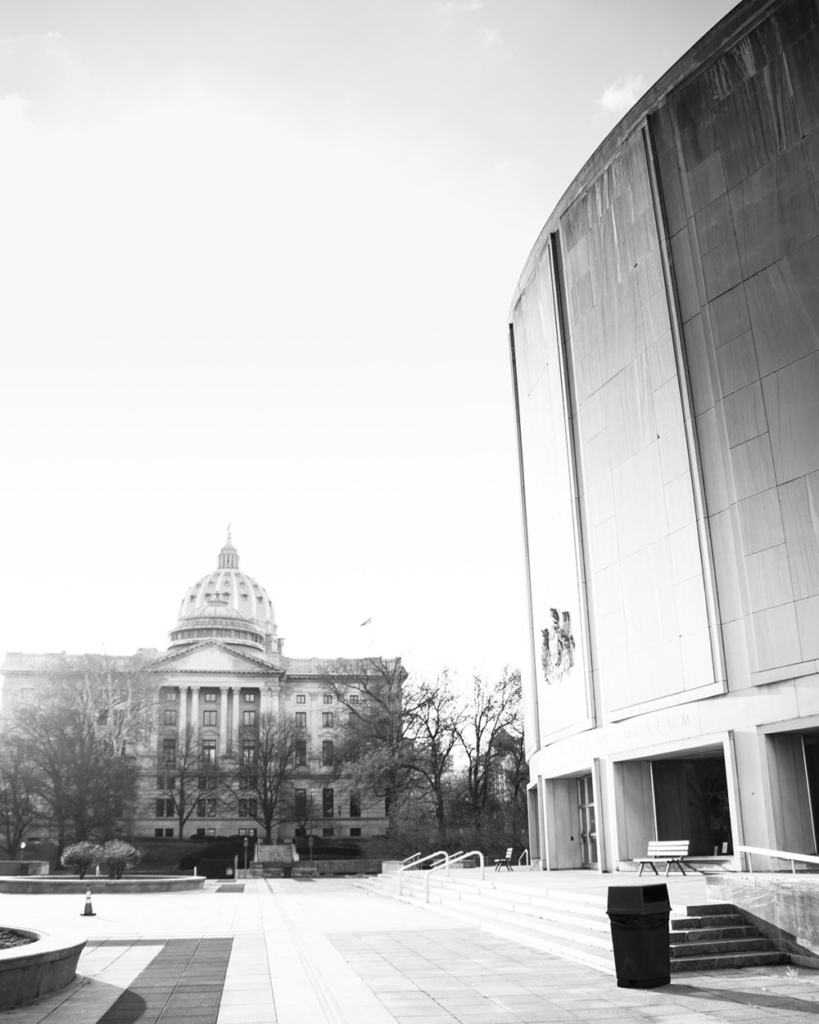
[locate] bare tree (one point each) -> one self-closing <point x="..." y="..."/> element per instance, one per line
<point x="375" y="745"/>
<point x="80" y="784"/>
<point x="260" y="770"/>
<point x="492" y="710"/>
<point x="190" y="777"/>
<point x="18" y="804"/>
<point x="434" y="718"/>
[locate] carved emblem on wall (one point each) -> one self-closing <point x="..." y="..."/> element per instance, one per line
<point x="557" y="649"/>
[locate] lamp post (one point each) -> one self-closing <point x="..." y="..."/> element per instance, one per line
<point x="310" y="840"/>
<point x="245" y="846"/>
<point x="22" y="849"/>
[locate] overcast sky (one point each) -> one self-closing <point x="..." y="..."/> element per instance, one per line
<point x="256" y="263"/>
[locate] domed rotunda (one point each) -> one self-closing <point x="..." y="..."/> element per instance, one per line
<point x="228" y="605"/>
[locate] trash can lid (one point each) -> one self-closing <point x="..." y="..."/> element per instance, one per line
<point x="638" y="899"/>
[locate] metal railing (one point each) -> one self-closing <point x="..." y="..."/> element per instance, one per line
<point x="805" y="858"/>
<point x="526" y="855"/>
<point x="449" y="862"/>
<point x="411" y="857"/>
<point x="414" y="864"/>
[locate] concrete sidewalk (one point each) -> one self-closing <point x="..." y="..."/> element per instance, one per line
<point x="325" y="952"/>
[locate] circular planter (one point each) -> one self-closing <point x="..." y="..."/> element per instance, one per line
<point x="43" y="966"/>
<point x="54" y="885"/>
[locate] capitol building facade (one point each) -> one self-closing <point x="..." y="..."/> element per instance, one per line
<point x="223" y="676"/>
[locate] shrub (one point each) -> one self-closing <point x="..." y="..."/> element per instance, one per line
<point x="81" y="857"/>
<point x="119" y="855"/>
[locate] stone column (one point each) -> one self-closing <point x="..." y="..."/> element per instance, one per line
<point x="194" y="719"/>
<point x="183" y="711"/>
<point x="234" y="725"/>
<point x="223" y="721"/>
<point x="269" y="699"/>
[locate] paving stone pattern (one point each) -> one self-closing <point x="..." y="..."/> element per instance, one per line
<point x="332" y="953"/>
<point x="182" y="983"/>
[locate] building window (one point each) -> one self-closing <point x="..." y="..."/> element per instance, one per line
<point x="301" y="833"/>
<point x="301" y="719"/>
<point x="327" y="752"/>
<point x="164" y="809"/>
<point x="248" y="717"/>
<point x="169" y="751"/>
<point x="208" y="718"/>
<point x="242" y="831"/>
<point x="301" y="753"/>
<point x="169" y="833"/>
<point x="354" y="698"/>
<point x="327" y="832"/>
<point x="252" y="833"/>
<point x="211" y="831"/>
<point x="301" y="698"/>
<point x="200" y="808"/>
<point x="355" y="832"/>
<point x="169" y="693"/>
<point x="158" y="833"/>
<point x="250" y="698"/>
<point x="160" y="782"/>
<point x="211" y="808"/>
<point x="300" y="806"/>
<point x="209" y="751"/>
<point x="248" y="755"/>
<point x="210" y="697"/>
<point x="327" y="803"/>
<point x="248" y="808"/>
<point x="355" y="804"/>
<point x="328" y="698"/>
<point x="170" y="716"/>
<point x="327" y="719"/>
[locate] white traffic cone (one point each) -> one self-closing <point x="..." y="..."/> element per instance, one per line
<point x="88" y="912"/>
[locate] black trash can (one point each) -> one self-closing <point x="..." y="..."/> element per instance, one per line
<point x="639" y="934"/>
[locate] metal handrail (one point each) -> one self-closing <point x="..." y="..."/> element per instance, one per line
<point x="412" y="856"/>
<point x="447" y="864"/>
<point x="526" y="855"/>
<point x="409" y="867"/>
<point x="776" y="855"/>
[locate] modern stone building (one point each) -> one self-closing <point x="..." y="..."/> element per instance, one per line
<point x="222" y="672"/>
<point x="665" y="354"/>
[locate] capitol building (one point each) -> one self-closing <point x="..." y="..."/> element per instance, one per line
<point x="223" y="674"/>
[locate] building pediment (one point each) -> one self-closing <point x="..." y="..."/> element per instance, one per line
<point x="211" y="656"/>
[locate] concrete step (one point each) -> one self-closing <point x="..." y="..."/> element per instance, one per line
<point x="683" y="949"/>
<point x="707" y="921"/>
<point x="724" y="961"/>
<point x="713" y="934"/>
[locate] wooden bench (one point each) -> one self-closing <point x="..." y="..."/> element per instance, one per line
<point x="505" y="860"/>
<point x="672" y="851"/>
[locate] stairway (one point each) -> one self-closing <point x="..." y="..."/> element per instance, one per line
<point x="714" y="936"/>
<point x="576" y="926"/>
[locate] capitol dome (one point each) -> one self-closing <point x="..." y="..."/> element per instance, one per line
<point x="228" y="605"/>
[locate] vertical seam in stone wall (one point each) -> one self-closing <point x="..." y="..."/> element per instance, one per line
<point x="689" y="419"/>
<point x="535" y="709"/>
<point x="570" y="420"/>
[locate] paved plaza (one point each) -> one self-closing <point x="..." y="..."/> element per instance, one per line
<point x="327" y="952"/>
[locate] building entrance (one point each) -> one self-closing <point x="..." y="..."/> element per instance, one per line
<point x="691" y="802"/>
<point x="811" y="747"/>
<point x="588" y="822"/>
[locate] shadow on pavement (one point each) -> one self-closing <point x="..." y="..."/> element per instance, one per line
<point x="759" y="999"/>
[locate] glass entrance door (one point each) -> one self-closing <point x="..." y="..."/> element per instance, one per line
<point x="588" y="822"/>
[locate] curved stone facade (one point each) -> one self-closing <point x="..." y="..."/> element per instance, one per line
<point x="665" y="354"/>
